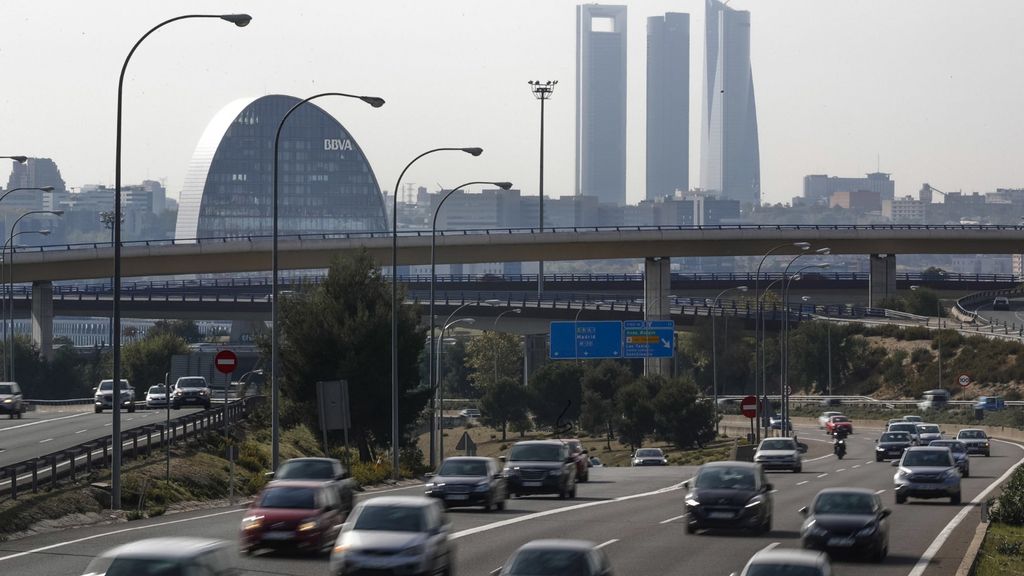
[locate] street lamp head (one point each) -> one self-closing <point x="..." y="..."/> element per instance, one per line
<point x="915" y="287"/>
<point x="373" y="101"/>
<point x="240" y="20"/>
<point x="504" y="185"/>
<point x="43" y="232"/>
<point x="19" y="159"/>
<point x="47" y="188"/>
<point x="802" y="245"/>
<point x="805" y="298"/>
<point x="493" y="302"/>
<point x="824" y="251"/>
<point x="56" y="212"/>
<point x="473" y="151"/>
<point x="824" y="265"/>
<point x="742" y="288"/>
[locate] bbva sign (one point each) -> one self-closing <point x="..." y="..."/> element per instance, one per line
<point x="337" y="144"/>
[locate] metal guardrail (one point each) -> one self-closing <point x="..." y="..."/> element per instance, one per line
<point x="69" y="462"/>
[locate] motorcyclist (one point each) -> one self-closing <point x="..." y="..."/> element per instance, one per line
<point x="839" y="442"/>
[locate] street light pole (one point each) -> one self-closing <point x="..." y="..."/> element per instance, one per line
<point x="433" y="278"/>
<point x="541" y="91"/>
<point x="395" y="472"/>
<point x="495" y="330"/>
<point x="275" y="348"/>
<point x="714" y="348"/>
<point x="10" y="285"/>
<point x="785" y="334"/>
<point x="240" y="20"/>
<point x="440" y="389"/>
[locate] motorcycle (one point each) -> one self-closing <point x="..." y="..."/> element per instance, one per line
<point x="839" y="448"/>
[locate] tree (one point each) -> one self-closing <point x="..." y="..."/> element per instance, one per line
<point x="341" y="330"/>
<point x="493" y="356"/>
<point x="556" y="394"/>
<point x="682" y="415"/>
<point x="505" y="403"/>
<point x="633" y="403"/>
<point x="600" y="383"/>
<point x="184" y="329"/>
<point x="146" y="361"/>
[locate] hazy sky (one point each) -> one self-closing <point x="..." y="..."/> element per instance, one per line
<point x="931" y="87"/>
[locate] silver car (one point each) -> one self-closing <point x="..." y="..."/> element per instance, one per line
<point x="786" y="562"/>
<point x="395" y="534"/>
<point x="156" y="397"/>
<point x="167" y="556"/>
<point x="926" y="433"/>
<point x="927" y="472"/>
<point x="976" y="440"/>
<point x="779" y="453"/>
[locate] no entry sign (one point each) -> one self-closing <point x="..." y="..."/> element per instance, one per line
<point x="749" y="406"/>
<point x="225" y="361"/>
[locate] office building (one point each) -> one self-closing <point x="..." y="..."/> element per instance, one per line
<point x="601" y="102"/>
<point x="730" y="159"/>
<point x="668" y="104"/>
<point x="818" y="188"/>
<point x="34" y="173"/>
<point x="325" y="183"/>
<point x="905" y="210"/>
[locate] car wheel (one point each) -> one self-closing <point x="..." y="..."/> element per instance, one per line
<point x="500" y="505"/>
<point x="967" y="473"/>
<point x="691" y="528"/>
<point x="798" y="469"/>
<point x="879" y="458"/>
<point x="900" y="498"/>
<point x="880" y="553"/>
<point x="586" y="476"/>
<point x="955" y="498"/>
<point x="765" y="527"/>
<point x="987" y="453"/>
<point x="131" y="407"/>
<point x="99" y="410"/>
<point x="563" y="493"/>
<point x="10" y="416"/>
<point x="487" y="505"/>
<point x="572" y="492"/>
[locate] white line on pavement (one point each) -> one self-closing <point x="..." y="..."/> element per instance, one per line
<point x="109" y="424"/>
<point x="940" y="540"/>
<point x="80" y="431"/>
<point x="879" y="491"/>
<point x="856" y="465"/>
<point x="802" y="483"/>
<point x="42" y="421"/>
<point x="45" y="441"/>
<point x="841" y="470"/>
<point x="603" y="544"/>
<point x="822" y="475"/>
<point x="496" y="570"/>
<point x="819" y="458"/>
<point x="672" y="519"/>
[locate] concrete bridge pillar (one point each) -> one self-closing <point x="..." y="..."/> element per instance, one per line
<point x="882" y="278"/>
<point x="42" y="318"/>
<point x="657" y="284"/>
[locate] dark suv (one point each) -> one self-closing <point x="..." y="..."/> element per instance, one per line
<point x="327" y="470"/>
<point x="729" y="495"/>
<point x="541" y="467"/>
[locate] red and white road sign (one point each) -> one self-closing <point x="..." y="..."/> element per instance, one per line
<point x="964" y="380"/>
<point x="225" y="361"/>
<point x="749" y="406"/>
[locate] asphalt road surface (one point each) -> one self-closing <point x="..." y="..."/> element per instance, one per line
<point x="635" y="514"/>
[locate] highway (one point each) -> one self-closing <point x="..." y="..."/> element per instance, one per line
<point x="634" y="513"/>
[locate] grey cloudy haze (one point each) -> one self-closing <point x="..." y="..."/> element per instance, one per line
<point x="931" y="87"/>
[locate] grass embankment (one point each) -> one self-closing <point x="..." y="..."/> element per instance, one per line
<point x="1002" y="552"/>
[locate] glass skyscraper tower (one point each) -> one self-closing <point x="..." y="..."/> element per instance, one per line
<point x="668" y="104"/>
<point x="730" y="160"/>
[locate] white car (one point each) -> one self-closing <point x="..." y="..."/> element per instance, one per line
<point x="786" y="562"/>
<point x="779" y="453"/>
<point x="156" y="397"/>
<point x="825" y="416"/>
<point x="167" y="556"/>
<point x="928" y="432"/>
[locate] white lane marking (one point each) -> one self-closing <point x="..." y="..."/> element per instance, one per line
<point x="802" y="483"/>
<point x="109" y="424"/>
<point x="496" y="570"/>
<point x="822" y="475"/>
<point x="940" y="540"/>
<point x="121" y="531"/>
<point x="819" y="458"/>
<point x="672" y="519"/>
<point x="879" y="491"/>
<point x="774" y="491"/>
<point x="841" y="470"/>
<point x="869" y="462"/>
<point x="42" y="421"/>
<point x="83" y="430"/>
<point x="856" y="465"/>
<point x="45" y="441"/>
<point x="603" y="544"/>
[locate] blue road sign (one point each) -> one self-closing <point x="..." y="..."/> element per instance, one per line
<point x="600" y="339"/>
<point x="650" y="339"/>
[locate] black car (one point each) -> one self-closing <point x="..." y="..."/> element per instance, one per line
<point x="540" y="467"/>
<point x="847" y="519"/>
<point x="557" y="558"/>
<point x="729" y="495"/>
<point x="468" y="481"/>
<point x="892" y="445"/>
<point x="323" y="470"/>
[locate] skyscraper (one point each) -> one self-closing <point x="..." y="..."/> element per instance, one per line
<point x="730" y="160"/>
<point x="668" y="104"/>
<point x="601" y="102"/>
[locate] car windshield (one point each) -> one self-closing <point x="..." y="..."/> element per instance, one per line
<point x="536" y="452"/>
<point x="908" y="428"/>
<point x="649" y="453"/>
<point x="136" y="567"/>
<point x="463" y="468"/>
<point x="926" y="458"/>
<point x="288" y="497"/>
<point x="912" y="418"/>
<point x="550" y="562"/>
<point x="895" y="437"/>
<point x="843" y="503"/>
<point x="782" y="570"/>
<point x="971" y="434"/>
<point x="390" y="518"/>
<point x="927" y="429"/>
<point x="108" y="385"/>
<point x="840" y="419"/>
<point x="156" y="390"/>
<point x="726" y="477"/>
<point x="778" y="445"/>
<point x="951" y="444"/>
<point x="191" y="383"/>
<point x="306" y="470"/>
<point x="6" y="389"/>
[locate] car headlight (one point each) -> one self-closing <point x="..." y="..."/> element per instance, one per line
<point x="755" y="501"/>
<point x="308" y="524"/>
<point x="511" y="471"/>
<point x="814" y="530"/>
<point x="952" y="473"/>
<point x="554" y="472"/>
<point x="691" y="501"/>
<point x="901" y="474"/>
<point x="202" y="392"/>
<point x="341" y="548"/>
<point x="413" y="550"/>
<point x="252" y="522"/>
<point x="8" y="400"/>
<point x="880" y="448"/>
<point x="482" y="487"/>
<point x="867" y="530"/>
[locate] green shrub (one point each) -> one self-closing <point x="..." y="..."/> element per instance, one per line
<point x="1009" y="506"/>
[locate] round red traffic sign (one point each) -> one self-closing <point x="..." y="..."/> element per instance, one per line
<point x="225" y="361"/>
<point x="964" y="380"/>
<point x="749" y="406"/>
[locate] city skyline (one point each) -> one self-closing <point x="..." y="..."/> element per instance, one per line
<point x="838" y="87"/>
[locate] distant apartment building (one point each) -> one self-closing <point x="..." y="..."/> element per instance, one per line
<point x="819" y="188"/>
<point x="983" y="264"/>
<point x="905" y="210"/>
<point x="34" y="173"/>
<point x="601" y="102"/>
<point x="668" y="104"/>
<point x="859" y="201"/>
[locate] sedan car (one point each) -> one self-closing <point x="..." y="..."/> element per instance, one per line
<point x="166" y="556"/>
<point x="579" y="454"/>
<point x="959" y="450"/>
<point x="908" y="427"/>
<point x="557" y="558"/>
<point x="468" y="481"/>
<point x="775" y="423"/>
<point x="156" y="397"/>
<point x="787" y="562"/>
<point x="847" y="519"/>
<point x="975" y="440"/>
<point x="779" y="454"/>
<point x="892" y="445"/>
<point x="729" y="495"/>
<point x="395" y="535"/>
<point x="541" y="467"/>
<point x="928" y="432"/>
<point x="927" y="472"/>
<point x="825" y="417"/>
<point x="10" y="399"/>
<point x="1000" y="303"/>
<point x="838" y="423"/>
<point x="327" y="470"/>
<point x="649" y="457"/>
<point x="296" y="514"/>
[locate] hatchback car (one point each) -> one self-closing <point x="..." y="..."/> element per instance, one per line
<point x="541" y="467"/>
<point x="328" y="470"/>
<point x="579" y="454"/>
<point x="779" y="454"/>
<point x="166" y="556"/>
<point x="787" y="562"/>
<point x="729" y="495"/>
<point x="892" y="445"/>
<point x="975" y="440"/>
<point x="649" y="457"/>
<point x="913" y="418"/>
<point x="296" y="514"/>
<point x="395" y="535"/>
<point x="841" y="519"/>
<point x="908" y="427"/>
<point x="557" y="558"/>
<point x="836" y="423"/>
<point x="927" y="472"/>
<point x="156" y="397"/>
<point x="825" y="417"/>
<point x="10" y="399"/>
<point x="928" y="432"/>
<point x="468" y="481"/>
<point x="1000" y="303"/>
<point x="959" y="450"/>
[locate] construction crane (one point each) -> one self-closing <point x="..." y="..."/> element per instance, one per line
<point x="925" y="195"/>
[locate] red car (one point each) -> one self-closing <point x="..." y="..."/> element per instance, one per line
<point x="579" y="455"/>
<point x="296" y="514"/>
<point x="838" y="423"/>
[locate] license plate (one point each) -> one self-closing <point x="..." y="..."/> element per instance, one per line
<point x="719" y="514"/>
<point x="457" y="497"/>
<point x="842" y="542"/>
<point x="278" y="535"/>
<point x="531" y="484"/>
